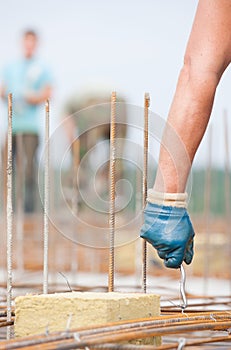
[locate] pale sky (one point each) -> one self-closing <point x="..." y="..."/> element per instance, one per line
<point x="131" y="46"/>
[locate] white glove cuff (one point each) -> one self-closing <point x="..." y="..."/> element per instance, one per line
<point x="178" y="200"/>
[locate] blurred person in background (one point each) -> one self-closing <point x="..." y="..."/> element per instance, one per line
<point x="29" y="80"/>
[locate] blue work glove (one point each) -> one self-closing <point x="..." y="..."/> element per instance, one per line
<point x="169" y="229"/>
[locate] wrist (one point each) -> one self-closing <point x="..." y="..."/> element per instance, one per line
<point x="178" y="200"/>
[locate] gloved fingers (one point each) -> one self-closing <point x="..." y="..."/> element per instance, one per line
<point x="161" y="254"/>
<point x="175" y="258"/>
<point x="149" y="235"/>
<point x="147" y="238"/>
<point x="189" y="253"/>
<point x="146" y="231"/>
<point x="168" y="262"/>
<point x="173" y="262"/>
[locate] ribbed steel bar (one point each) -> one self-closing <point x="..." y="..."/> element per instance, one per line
<point x="144" y="188"/>
<point x="20" y="202"/>
<point x="59" y="344"/>
<point x="171" y="346"/>
<point x="111" y="272"/>
<point x="46" y="200"/>
<point x="144" y="333"/>
<point x="127" y="331"/>
<point x="6" y="323"/>
<point x="200" y="304"/>
<point x="9" y="213"/>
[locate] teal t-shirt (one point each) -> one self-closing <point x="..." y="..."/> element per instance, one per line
<point x="21" y="78"/>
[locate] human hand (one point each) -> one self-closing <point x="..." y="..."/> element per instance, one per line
<point x="2" y="92"/>
<point x="35" y="98"/>
<point x="31" y="99"/>
<point x="169" y="230"/>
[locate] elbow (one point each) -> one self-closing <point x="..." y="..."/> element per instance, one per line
<point x="198" y="73"/>
<point x="201" y="68"/>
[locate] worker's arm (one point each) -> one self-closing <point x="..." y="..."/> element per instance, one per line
<point x="207" y="55"/>
<point x="167" y="225"/>
<point x="3" y="92"/>
<point x="40" y="96"/>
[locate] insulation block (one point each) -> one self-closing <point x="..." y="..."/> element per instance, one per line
<point x="34" y="314"/>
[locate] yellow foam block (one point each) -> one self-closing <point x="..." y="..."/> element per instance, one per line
<point x="34" y="314"/>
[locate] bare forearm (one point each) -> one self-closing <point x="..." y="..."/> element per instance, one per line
<point x="187" y="121"/>
<point x="39" y="97"/>
<point x="2" y="93"/>
<point x="207" y="55"/>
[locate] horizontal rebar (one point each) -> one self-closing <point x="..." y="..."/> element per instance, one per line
<point x="127" y="331"/>
<point x="161" y="347"/>
<point x="6" y="323"/>
<point x="210" y="303"/>
<point x="144" y="333"/>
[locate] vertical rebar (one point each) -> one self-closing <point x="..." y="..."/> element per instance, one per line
<point x="139" y="243"/>
<point x="207" y="200"/>
<point x="20" y="201"/>
<point x="74" y="202"/>
<point x="112" y="195"/>
<point x="227" y="186"/>
<point x="9" y="209"/>
<point x="46" y="200"/>
<point x="144" y="187"/>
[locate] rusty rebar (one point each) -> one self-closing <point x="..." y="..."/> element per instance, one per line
<point x="111" y="273"/>
<point x="144" y="188"/>
<point x="6" y="323"/>
<point x="20" y="202"/>
<point x="46" y="200"/>
<point x="155" y="322"/>
<point x="124" y="331"/>
<point x="162" y="347"/>
<point x="68" y="340"/>
<point x="144" y="333"/>
<point x="9" y="209"/>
